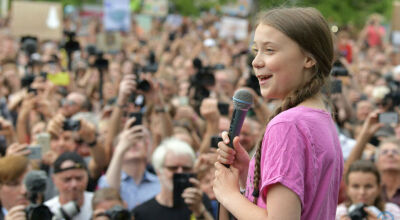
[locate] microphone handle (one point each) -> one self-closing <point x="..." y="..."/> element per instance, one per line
<point x="236" y="125"/>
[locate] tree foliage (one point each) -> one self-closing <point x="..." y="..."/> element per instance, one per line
<point x="339" y="11"/>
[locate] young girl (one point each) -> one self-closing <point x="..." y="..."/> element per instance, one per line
<point x="363" y="186"/>
<point x="296" y="171"/>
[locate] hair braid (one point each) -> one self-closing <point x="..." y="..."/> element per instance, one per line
<point x="305" y="92"/>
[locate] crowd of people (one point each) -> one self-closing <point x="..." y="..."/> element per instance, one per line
<point x="116" y="128"/>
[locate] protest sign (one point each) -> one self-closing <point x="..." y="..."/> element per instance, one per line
<point x="38" y="19"/>
<point x="155" y="7"/>
<point x="235" y="28"/>
<point x="109" y="42"/>
<point x="117" y="15"/>
<point x="238" y="8"/>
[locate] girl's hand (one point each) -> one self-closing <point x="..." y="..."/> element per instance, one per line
<point x="226" y="182"/>
<point x="237" y="157"/>
<point x="371" y="215"/>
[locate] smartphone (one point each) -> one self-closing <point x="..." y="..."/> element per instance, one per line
<point x="36" y="152"/>
<point x="223" y="108"/>
<point x="214" y="141"/>
<point x="336" y="86"/>
<point x="43" y="140"/>
<point x="388" y="118"/>
<point x="138" y="116"/>
<point x="180" y="183"/>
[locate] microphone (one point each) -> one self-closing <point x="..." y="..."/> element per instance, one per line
<point x="242" y="101"/>
<point x="35" y="182"/>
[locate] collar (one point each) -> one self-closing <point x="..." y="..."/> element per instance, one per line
<point x="4" y="211"/>
<point x="147" y="176"/>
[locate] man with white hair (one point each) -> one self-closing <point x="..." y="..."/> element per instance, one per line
<point x="174" y="156"/>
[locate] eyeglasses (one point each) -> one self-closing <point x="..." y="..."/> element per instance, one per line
<point x="392" y="151"/>
<point x="175" y="168"/>
<point x="66" y="102"/>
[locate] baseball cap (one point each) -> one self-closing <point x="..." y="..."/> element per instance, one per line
<point x="78" y="161"/>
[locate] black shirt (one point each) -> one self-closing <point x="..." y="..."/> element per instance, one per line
<point x="153" y="210"/>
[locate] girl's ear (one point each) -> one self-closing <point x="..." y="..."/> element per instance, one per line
<point x="309" y="61"/>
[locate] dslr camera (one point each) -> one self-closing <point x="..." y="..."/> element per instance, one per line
<point x="118" y="213"/>
<point x="71" y="125"/>
<point x="38" y="212"/>
<point x="356" y="211"/>
<point x="67" y="211"/>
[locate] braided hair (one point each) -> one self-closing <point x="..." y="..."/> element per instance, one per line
<point x="308" y="28"/>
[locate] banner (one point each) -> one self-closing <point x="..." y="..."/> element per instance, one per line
<point x="155" y="7"/>
<point x="235" y="28"/>
<point x="117" y="15"/>
<point x="38" y="19"/>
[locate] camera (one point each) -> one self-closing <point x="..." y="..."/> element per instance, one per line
<point x="118" y="213"/>
<point x="67" y="211"/>
<point x="180" y="183"/>
<point x="32" y="90"/>
<point x="71" y="125"/>
<point x="143" y="85"/>
<point x="214" y="141"/>
<point x="338" y="69"/>
<point x="356" y="211"/>
<point x="38" y="212"/>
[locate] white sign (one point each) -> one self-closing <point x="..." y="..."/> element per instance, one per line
<point x="396" y="38"/>
<point x="235" y="28"/>
<point x="117" y="15"/>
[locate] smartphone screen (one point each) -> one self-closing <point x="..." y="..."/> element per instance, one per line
<point x="181" y="182"/>
<point x="36" y="152"/>
<point x="43" y="140"/>
<point x="388" y="118"/>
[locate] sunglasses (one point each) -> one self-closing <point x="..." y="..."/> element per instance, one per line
<point x="185" y="169"/>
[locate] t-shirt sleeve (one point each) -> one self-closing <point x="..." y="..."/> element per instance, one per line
<point x="283" y="159"/>
<point x="102" y="183"/>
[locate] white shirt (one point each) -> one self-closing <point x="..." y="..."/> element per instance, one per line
<point x="86" y="208"/>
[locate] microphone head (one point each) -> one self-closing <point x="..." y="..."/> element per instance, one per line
<point x="35" y="181"/>
<point x="242" y="99"/>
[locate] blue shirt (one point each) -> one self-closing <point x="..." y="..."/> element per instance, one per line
<point x="135" y="194"/>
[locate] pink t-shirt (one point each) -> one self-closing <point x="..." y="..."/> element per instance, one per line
<point x="301" y="151"/>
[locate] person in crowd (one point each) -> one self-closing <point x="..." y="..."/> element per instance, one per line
<point x="363" y="186"/>
<point x="388" y="162"/>
<point x="71" y="178"/>
<point x="107" y="202"/>
<point x="283" y="182"/>
<point x="13" y="193"/>
<point x="127" y="171"/>
<point x="174" y="157"/>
